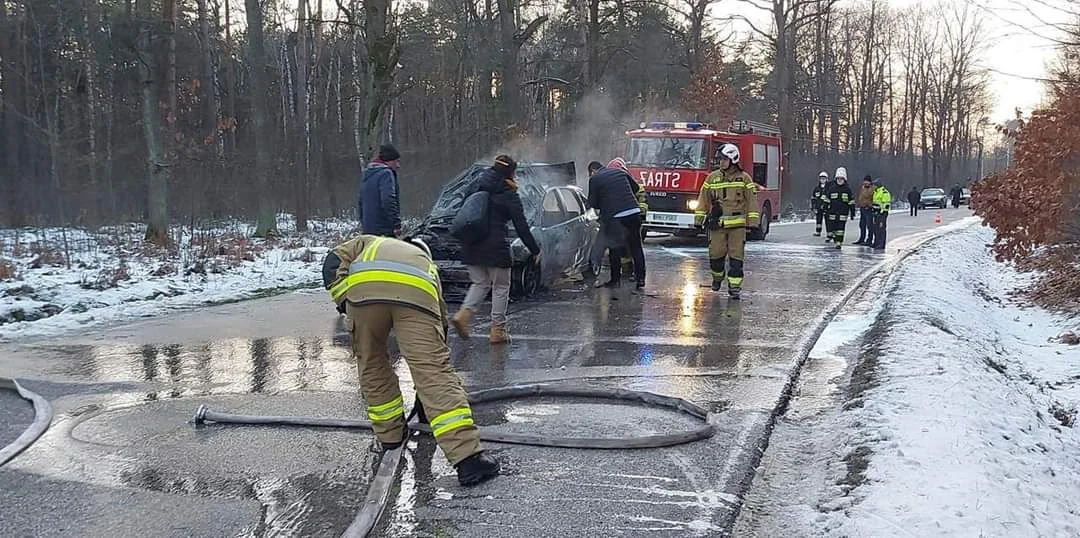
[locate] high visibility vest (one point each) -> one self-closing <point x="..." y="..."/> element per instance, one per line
<point x="882" y="200"/>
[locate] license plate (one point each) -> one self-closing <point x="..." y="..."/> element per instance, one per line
<point x="658" y="194"/>
<point x="663" y="217"/>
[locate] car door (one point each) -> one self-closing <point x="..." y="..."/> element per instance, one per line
<point x="554" y="227"/>
<point x="575" y="232"/>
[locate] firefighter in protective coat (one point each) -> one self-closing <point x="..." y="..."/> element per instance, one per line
<point x="819" y="201"/>
<point x="727" y="206"/>
<point x="381" y="284"/>
<point x="841" y="207"/>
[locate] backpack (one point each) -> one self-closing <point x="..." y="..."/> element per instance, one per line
<point x="470" y="225"/>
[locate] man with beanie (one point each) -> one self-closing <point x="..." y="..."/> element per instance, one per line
<point x="488" y="257"/>
<point x="379" y="208"/>
<point x="863" y="202"/>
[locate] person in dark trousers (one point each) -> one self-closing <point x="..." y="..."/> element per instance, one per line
<point x="913" y="202"/>
<point x="819" y="201"/>
<point x="956" y="193"/>
<point x="841" y="207"/>
<point x="378" y="207"/>
<point x="863" y="202"/>
<point x="488" y="258"/>
<point x="613" y="198"/>
<point x="881" y="207"/>
<point x="610" y="237"/>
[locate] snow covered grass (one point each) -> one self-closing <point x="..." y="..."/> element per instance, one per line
<point x="961" y="414"/>
<point x="53" y="280"/>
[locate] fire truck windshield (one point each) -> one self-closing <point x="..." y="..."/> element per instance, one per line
<point x="686" y="153"/>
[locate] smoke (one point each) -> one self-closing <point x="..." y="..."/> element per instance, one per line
<point x="595" y="131"/>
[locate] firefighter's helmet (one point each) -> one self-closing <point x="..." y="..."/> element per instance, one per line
<point x="617" y="162"/>
<point x="841" y="172"/>
<point x="730" y="152"/>
<point x="823" y="175"/>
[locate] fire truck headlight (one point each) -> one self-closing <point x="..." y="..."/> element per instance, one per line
<point x="692" y="205"/>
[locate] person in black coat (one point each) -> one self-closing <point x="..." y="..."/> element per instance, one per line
<point x="913" y="198"/>
<point x="488" y="258"/>
<point x="612" y="197"/>
<point x="379" y="208"/>
<point x="956" y="193"/>
<point x="841" y="207"/>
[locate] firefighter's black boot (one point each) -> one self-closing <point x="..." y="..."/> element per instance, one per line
<point x="734" y="294"/>
<point x="717" y="283"/>
<point x="476" y="469"/>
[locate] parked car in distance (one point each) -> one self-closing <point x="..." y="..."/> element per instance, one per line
<point x="558" y="215"/>
<point x="933" y="197"/>
<point x="965" y="196"/>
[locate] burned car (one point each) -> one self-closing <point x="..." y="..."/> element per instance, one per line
<point x="558" y="215"/>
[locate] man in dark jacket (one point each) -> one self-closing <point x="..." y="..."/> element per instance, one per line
<point x="379" y="208"/>
<point x="841" y="207"/>
<point x="488" y="258"/>
<point x="913" y="198"/>
<point x="610" y="194"/>
<point x="956" y="194"/>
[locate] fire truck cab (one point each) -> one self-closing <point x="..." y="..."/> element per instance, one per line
<point x="672" y="159"/>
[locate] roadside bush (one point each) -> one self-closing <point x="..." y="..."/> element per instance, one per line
<point x="1034" y="206"/>
<point x="7" y="270"/>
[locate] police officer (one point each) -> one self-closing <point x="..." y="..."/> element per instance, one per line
<point x="881" y="207"/>
<point x="383" y="283"/>
<point x="841" y="207"/>
<point x="727" y="206"/>
<point x="819" y="201"/>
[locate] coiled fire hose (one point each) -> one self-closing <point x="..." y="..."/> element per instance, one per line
<point x="42" y="418"/>
<point x="379" y="490"/>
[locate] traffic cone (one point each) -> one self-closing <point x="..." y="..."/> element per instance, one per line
<point x="937" y="217"/>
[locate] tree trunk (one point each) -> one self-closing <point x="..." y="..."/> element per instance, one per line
<point x="157" y="226"/>
<point x="302" y="117"/>
<point x="209" y="98"/>
<point x="230" y="87"/>
<point x="266" y="221"/>
<point x="382" y="59"/>
<point x="509" y="81"/>
<point x="91" y="23"/>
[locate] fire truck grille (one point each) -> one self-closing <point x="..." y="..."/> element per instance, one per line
<point x="670" y="201"/>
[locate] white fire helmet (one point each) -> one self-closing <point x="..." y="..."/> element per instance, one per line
<point x="841" y="172"/>
<point x="823" y="175"/>
<point x="731" y="151"/>
<point x="416" y="241"/>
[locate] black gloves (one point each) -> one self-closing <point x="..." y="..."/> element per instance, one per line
<point x="341" y="307"/>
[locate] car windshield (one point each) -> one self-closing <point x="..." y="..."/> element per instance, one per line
<point x="933" y="192"/>
<point x="667" y="153"/>
<point x="530" y="179"/>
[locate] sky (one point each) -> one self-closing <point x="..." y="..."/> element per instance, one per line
<point x="1015" y="53"/>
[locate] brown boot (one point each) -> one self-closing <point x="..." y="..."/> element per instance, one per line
<point x="461" y="321"/>
<point x="499" y="334"/>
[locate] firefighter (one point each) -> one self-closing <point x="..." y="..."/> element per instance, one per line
<point x="881" y="207"/>
<point x="727" y="206"/>
<point x="841" y="207"/>
<point x="381" y="284"/>
<point x="819" y="201"/>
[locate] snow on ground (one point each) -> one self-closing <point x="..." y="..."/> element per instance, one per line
<point x="955" y="415"/>
<point x="113" y="275"/>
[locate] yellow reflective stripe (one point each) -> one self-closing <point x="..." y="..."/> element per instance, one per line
<point x="753" y="214"/>
<point x="384" y="276"/>
<point x="739" y="220"/>
<point x="726" y="185"/>
<point x="735" y="280"/>
<point x="387" y="411"/>
<point x="699" y="214"/>
<point x="371" y="251"/>
<point x="451" y="420"/>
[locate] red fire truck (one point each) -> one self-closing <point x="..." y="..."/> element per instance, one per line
<point x="672" y="159"/>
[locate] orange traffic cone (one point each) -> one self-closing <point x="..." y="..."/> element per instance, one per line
<point x="937" y="217"/>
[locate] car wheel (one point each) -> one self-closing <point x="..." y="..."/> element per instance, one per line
<point x="524" y="280"/>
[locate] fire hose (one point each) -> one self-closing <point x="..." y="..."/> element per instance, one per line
<point x="42" y="418"/>
<point x="381" y="485"/>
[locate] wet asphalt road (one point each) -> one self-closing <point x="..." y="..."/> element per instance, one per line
<point x="121" y="459"/>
